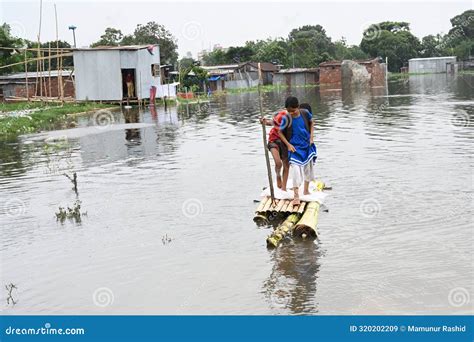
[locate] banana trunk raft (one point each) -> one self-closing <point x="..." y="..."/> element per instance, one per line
<point x="300" y="220"/>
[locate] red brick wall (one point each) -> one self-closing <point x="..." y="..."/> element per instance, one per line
<point x="377" y="72"/>
<point x="68" y="84"/>
<point x="330" y="74"/>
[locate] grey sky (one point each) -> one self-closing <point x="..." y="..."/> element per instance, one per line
<point x="199" y="25"/>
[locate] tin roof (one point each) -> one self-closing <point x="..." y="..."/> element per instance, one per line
<point x="32" y="74"/>
<point x="297" y="70"/>
<point x="123" y="47"/>
<point x="431" y="58"/>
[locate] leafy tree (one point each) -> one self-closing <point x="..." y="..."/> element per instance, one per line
<point x="150" y="33"/>
<point x="186" y="63"/>
<point x="193" y="78"/>
<point x="10" y="56"/>
<point x="393" y="40"/>
<point x="111" y="37"/>
<point x="343" y="51"/>
<point x="216" y="57"/>
<point x="239" y="54"/>
<point x="430" y="46"/>
<point x="154" y="33"/>
<point x="272" y="51"/>
<point x="309" y="45"/>
<point x="460" y="39"/>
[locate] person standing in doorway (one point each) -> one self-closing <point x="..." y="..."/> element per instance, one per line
<point x="129" y="82"/>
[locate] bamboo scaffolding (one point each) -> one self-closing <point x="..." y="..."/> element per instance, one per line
<point x="26" y="78"/>
<point x="37" y="59"/>
<point x="57" y="47"/>
<point x="49" y="69"/>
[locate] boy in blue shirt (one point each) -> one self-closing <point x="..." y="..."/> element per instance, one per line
<point x="296" y="132"/>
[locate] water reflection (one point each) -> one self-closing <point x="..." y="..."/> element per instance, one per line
<point x="291" y="285"/>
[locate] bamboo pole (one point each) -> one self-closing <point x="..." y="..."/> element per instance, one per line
<point x="49" y="69"/>
<point x="59" y="71"/>
<point x="307" y="225"/>
<point x="264" y="134"/>
<point x="37" y="59"/>
<point x="274" y="239"/>
<point x="261" y="219"/>
<point x="38" y="64"/>
<point x="26" y="78"/>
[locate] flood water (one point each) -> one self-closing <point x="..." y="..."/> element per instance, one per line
<point x="170" y="201"/>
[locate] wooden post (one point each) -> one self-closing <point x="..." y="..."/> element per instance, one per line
<point x="60" y="77"/>
<point x="49" y="68"/>
<point x="264" y="132"/>
<point x="26" y="77"/>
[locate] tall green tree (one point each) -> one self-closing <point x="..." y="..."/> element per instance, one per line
<point x="12" y="56"/>
<point x="309" y="45"/>
<point x="272" y="51"/>
<point x="154" y="33"/>
<point x="216" y="57"/>
<point x="150" y="33"/>
<point x="111" y="37"/>
<point x="393" y="40"/>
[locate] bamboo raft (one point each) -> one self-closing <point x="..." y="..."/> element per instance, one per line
<point x="300" y="220"/>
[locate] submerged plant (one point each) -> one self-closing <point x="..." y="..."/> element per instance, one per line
<point x="10" y="287"/>
<point x="72" y="214"/>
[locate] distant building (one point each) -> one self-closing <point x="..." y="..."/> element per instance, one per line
<point x="296" y="77"/>
<point x="235" y="76"/>
<point x="370" y="73"/>
<point x="28" y="84"/>
<point x="432" y="64"/>
<point x="101" y="73"/>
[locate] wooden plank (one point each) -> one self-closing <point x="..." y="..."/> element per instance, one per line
<point x="301" y="207"/>
<point x="261" y="204"/>
<point x="267" y="205"/>
<point x="280" y="205"/>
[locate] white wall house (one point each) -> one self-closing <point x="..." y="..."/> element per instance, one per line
<point x="100" y="72"/>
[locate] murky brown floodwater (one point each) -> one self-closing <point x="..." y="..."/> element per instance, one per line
<point x="398" y="238"/>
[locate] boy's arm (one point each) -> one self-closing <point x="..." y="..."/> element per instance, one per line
<point x="268" y="122"/>
<point x="291" y="148"/>
<point x="311" y="132"/>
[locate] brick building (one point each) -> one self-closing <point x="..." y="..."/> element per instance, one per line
<point x="363" y="72"/>
<point x="16" y="85"/>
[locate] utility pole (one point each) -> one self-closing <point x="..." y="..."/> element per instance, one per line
<point x="73" y="28"/>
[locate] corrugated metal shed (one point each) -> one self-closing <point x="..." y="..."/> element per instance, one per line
<point x="98" y="71"/>
<point x="430" y="65"/>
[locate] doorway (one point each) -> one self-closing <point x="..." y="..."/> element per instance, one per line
<point x="129" y="75"/>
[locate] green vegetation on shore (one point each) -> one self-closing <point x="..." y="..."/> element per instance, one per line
<point x="39" y="116"/>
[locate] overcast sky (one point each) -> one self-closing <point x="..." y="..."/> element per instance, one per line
<point x="200" y="25"/>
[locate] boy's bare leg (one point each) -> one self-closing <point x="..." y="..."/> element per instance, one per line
<point x="278" y="165"/>
<point x="286" y="172"/>
<point x="306" y="188"/>
<point x="296" y="200"/>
